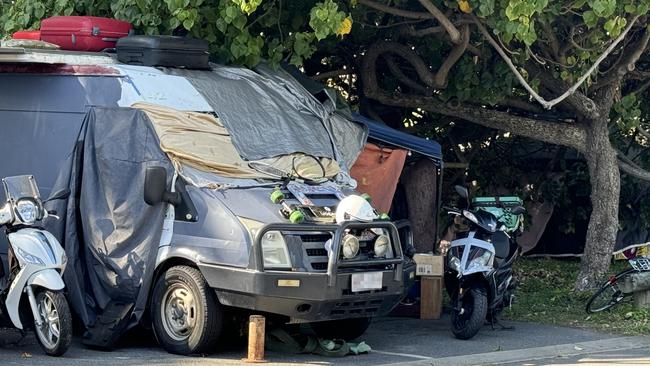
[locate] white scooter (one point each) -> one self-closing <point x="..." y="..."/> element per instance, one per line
<point x="36" y="264"/>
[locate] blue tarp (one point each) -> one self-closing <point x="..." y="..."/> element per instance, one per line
<point x="383" y="133"/>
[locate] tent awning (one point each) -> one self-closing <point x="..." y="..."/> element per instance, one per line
<point x="383" y="133"/>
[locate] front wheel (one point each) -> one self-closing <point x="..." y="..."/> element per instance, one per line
<point x="187" y="317"/>
<point x="468" y="319"/>
<point x="55" y="333"/>
<point x="608" y="295"/>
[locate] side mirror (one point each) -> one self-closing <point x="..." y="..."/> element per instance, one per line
<point x="60" y="195"/>
<point x="155" y="185"/>
<point x="518" y="210"/>
<point x="462" y="191"/>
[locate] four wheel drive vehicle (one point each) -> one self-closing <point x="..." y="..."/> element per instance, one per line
<point x="36" y="266"/>
<point x="216" y="237"/>
<point x="478" y="274"/>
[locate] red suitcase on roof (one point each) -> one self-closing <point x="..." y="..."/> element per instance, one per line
<point x="34" y="35"/>
<point x="83" y="33"/>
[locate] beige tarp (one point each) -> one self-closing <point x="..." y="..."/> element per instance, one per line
<point x="202" y="142"/>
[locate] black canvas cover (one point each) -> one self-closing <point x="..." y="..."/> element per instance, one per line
<point x="110" y="234"/>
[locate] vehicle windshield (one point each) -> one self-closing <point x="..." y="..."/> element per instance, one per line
<point x="23" y="186"/>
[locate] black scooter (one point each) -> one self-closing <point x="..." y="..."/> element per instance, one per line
<point x="478" y="273"/>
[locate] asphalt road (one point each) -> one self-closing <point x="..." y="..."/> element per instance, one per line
<point x="394" y="341"/>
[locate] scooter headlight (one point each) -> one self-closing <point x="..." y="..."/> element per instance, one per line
<point x="27" y="211"/>
<point x="482" y="258"/>
<point x="26" y="257"/>
<point x="350" y="246"/>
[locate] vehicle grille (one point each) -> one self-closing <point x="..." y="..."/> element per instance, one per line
<point x="314" y="250"/>
<point x="314" y="247"/>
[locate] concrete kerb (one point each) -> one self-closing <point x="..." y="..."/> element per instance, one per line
<point x="531" y="354"/>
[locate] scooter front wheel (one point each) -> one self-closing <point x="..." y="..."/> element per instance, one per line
<point x="470" y="317"/>
<point x="55" y="333"/>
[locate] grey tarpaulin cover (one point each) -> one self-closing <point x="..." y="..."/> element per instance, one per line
<point x="263" y="106"/>
<point x="109" y="233"/>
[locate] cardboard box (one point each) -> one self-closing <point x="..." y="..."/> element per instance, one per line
<point x="429" y="265"/>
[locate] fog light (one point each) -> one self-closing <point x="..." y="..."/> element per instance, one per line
<point x="350" y="246"/>
<point x="381" y="245"/>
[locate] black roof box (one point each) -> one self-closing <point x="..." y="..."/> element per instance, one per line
<point x="169" y="51"/>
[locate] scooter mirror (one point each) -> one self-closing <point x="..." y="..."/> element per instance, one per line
<point x="155" y="185"/>
<point x="462" y="191"/>
<point x="518" y="210"/>
<point x="60" y="195"/>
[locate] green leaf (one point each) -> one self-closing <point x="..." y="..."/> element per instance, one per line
<point x="188" y="24"/>
<point x="590" y="18"/>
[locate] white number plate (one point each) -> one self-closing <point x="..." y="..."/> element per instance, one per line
<point x="367" y="281"/>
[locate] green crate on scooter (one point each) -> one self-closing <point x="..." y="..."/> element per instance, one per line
<point x="500" y="207"/>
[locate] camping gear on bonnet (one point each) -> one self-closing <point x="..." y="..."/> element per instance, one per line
<point x="84" y="33"/>
<point x="377" y="171"/>
<point x="34" y="35"/>
<point x="169" y="51"/>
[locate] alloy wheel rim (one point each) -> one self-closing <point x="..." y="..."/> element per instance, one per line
<point x="49" y="332"/>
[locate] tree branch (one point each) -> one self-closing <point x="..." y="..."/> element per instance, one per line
<point x="408" y="54"/>
<point x="331" y="74"/>
<point x="451" y="29"/>
<point x="399" y="74"/>
<point x="549" y="104"/>
<point x="626" y="66"/>
<point x="634" y="170"/>
<point x="556" y="133"/>
<point x="395" y="11"/>
<point x="453" y="57"/>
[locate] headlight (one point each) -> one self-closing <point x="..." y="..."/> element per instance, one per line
<point x="454" y="263"/>
<point x="27" y="211"/>
<point x="470" y="216"/>
<point x="26" y="257"/>
<point x="350" y="246"/>
<point x="382" y="244"/>
<point x="483" y="260"/>
<point x="274" y="248"/>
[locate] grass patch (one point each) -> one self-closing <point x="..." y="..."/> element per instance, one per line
<point x="544" y="295"/>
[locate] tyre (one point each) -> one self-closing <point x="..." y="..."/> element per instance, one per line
<point x="607" y="295"/>
<point x="346" y="329"/>
<point x="466" y="322"/>
<point x="186" y="315"/>
<point x="55" y="334"/>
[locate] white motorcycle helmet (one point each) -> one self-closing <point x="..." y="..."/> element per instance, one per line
<point x="354" y="208"/>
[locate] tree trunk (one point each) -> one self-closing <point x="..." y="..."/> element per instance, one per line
<point x="421" y="196"/>
<point x="605" y="190"/>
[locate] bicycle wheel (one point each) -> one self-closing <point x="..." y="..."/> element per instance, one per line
<point x="608" y="295"/>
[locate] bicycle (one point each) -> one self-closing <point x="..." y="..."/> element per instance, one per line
<point x="609" y="293"/>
